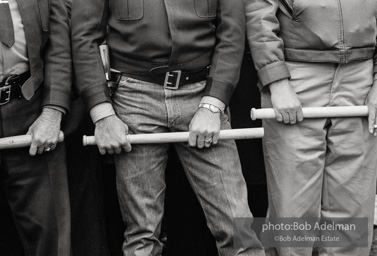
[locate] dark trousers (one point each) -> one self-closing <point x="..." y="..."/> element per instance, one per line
<point x="85" y="185"/>
<point x="36" y="187"/>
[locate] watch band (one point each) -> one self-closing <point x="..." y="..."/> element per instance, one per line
<point x="211" y="108"/>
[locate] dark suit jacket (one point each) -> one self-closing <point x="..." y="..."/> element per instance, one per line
<point x="48" y="42"/>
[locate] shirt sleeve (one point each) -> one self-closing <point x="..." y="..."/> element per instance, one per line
<point x="58" y="108"/>
<point x="101" y="111"/>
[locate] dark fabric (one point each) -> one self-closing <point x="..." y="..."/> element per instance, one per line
<point x="6" y="25"/>
<point x="10" y="244"/>
<point x="47" y="37"/>
<point x="36" y="187"/>
<point x="86" y="187"/>
<point x="157" y="36"/>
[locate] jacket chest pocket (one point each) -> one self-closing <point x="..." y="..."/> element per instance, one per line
<point x="127" y="9"/>
<point x="206" y="8"/>
<point x="44" y="13"/>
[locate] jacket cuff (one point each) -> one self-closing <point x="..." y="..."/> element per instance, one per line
<point x="56" y="97"/>
<point x="96" y="94"/>
<point x="273" y="72"/>
<point x="220" y="90"/>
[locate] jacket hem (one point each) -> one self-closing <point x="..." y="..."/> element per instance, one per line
<point x="335" y="56"/>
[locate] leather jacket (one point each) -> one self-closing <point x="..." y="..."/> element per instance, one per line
<point x="153" y="37"/>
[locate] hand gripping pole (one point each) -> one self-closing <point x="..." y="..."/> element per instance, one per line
<point x="20" y="141"/>
<point x="320" y="112"/>
<point x="173" y="137"/>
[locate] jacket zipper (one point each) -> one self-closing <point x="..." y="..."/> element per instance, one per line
<point x="341" y="32"/>
<point x="287" y="6"/>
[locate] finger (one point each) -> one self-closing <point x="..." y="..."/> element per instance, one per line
<point x="292" y="117"/>
<point x="125" y="144"/>
<point x="285" y="117"/>
<point x="53" y="146"/>
<point x="118" y="150"/>
<point x="40" y="150"/>
<point x="371" y="119"/>
<point x="200" y="141"/>
<point x="215" y="139"/>
<point x="192" y="139"/>
<point x="127" y="147"/>
<point x="208" y="141"/>
<point x="300" y="115"/>
<point x="101" y="150"/>
<point x="278" y="116"/>
<point x="110" y="151"/>
<point x="33" y="149"/>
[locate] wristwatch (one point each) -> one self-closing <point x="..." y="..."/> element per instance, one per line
<point x="211" y="108"/>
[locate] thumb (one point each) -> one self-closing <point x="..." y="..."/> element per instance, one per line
<point x="371" y="118"/>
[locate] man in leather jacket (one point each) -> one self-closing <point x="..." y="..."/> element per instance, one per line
<point x="178" y="64"/>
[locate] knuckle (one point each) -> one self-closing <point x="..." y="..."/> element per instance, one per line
<point x="200" y="131"/>
<point x="37" y="139"/>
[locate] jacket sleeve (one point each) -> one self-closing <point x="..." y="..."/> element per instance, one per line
<point x="89" y="23"/>
<point x="227" y="57"/>
<point x="57" y="58"/>
<point x="267" y="48"/>
<point x="375" y="59"/>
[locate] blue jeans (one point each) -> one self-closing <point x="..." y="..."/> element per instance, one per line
<point x="214" y="173"/>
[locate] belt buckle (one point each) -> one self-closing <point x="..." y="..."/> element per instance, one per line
<point x="5" y="93"/>
<point x="172" y="79"/>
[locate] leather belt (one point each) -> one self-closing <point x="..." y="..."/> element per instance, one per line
<point x="10" y="87"/>
<point x="170" y="80"/>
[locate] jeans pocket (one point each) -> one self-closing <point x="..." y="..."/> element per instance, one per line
<point x="127" y="9"/>
<point x="206" y="8"/>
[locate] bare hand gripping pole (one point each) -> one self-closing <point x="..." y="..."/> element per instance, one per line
<point x="172" y="137"/>
<point x="324" y="112"/>
<point x="20" y="141"/>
